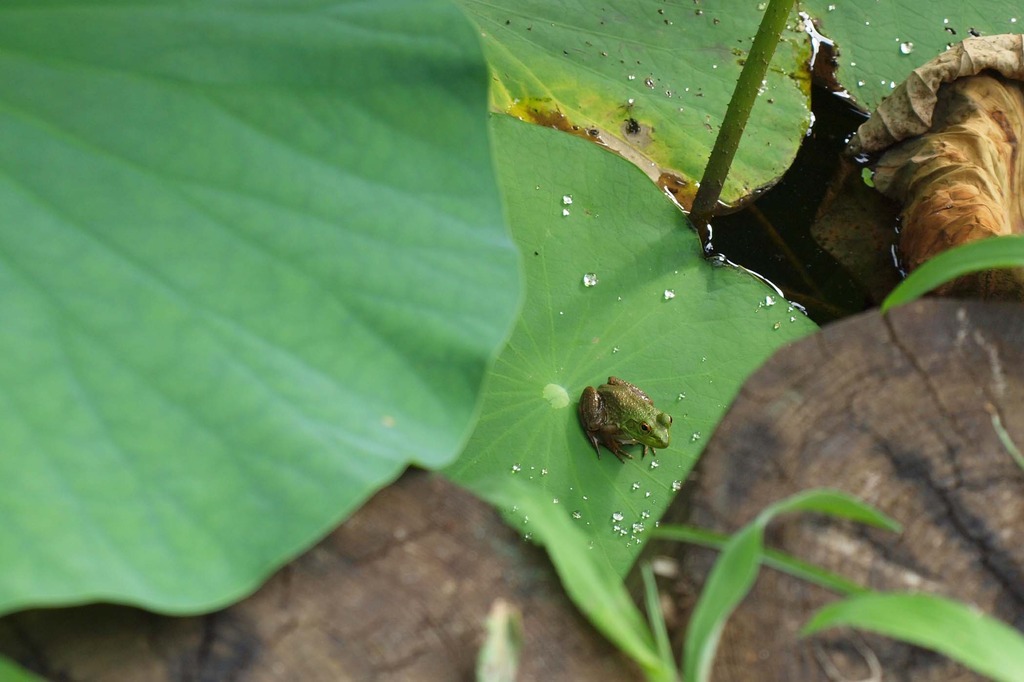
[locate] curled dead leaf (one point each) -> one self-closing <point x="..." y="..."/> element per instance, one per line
<point x="954" y="166"/>
<point x="908" y="110"/>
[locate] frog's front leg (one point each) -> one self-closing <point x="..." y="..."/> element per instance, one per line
<point x="615" y="446"/>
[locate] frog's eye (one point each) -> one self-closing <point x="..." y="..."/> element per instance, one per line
<point x="645" y="427"/>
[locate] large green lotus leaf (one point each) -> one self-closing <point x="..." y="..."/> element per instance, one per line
<point x="659" y="316"/>
<point x="253" y="261"/>
<point x="880" y="43"/>
<point x="649" y="79"/>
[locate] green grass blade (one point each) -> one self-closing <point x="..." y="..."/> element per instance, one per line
<point x="593" y="585"/>
<point x="654" y="615"/>
<point x="780" y="561"/>
<point x="1004" y="438"/>
<point x="987" y="254"/>
<point x="736" y="569"/>
<point x="831" y="502"/>
<point x="730" y="580"/>
<point x="964" y="634"/>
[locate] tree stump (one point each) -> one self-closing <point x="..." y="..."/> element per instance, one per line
<point x="898" y="410"/>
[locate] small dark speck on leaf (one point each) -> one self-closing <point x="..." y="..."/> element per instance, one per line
<point x="632" y="126"/>
<point x="974" y="32"/>
<point x="950" y="30"/>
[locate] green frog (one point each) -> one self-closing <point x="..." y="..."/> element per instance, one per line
<point x="618" y="413"/>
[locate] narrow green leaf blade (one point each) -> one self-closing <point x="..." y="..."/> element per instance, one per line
<point x="771" y="558"/>
<point x="736" y="569"/>
<point x="982" y="643"/>
<point x="986" y="254"/>
<point x="655" y="617"/>
<point x="1004" y="438"/>
<point x="831" y="502"/>
<point x="731" y="579"/>
<point x="590" y="582"/>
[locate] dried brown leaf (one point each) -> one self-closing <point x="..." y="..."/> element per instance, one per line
<point x="908" y="111"/>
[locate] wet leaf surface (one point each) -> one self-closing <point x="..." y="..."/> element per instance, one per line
<point x="658" y="315"/>
<point x="880" y="43"/>
<point x="650" y="80"/>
